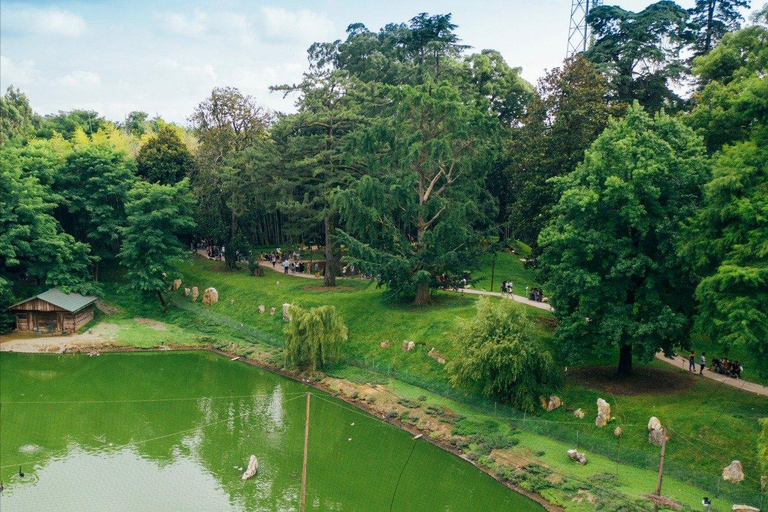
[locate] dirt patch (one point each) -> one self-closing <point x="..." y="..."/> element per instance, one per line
<point x="644" y="380"/>
<point x="152" y="324"/>
<point x="100" y="335"/>
<point x="107" y="309"/>
<point x="318" y="288"/>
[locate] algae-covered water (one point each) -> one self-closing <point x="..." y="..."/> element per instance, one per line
<point x="173" y="431"/>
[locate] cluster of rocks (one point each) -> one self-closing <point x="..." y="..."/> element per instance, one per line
<point x="408" y="346"/>
<point x="577" y="456"/>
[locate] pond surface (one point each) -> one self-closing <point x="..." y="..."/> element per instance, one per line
<point x="173" y="431"/>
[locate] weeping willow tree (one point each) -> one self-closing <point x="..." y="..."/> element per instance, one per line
<point x="500" y="356"/>
<point x="314" y="337"/>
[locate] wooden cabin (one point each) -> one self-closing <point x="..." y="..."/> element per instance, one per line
<point x="53" y="311"/>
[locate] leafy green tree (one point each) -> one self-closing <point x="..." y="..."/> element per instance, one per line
<point x="639" y="53"/>
<point x="68" y="123"/>
<point x="733" y="100"/>
<point x="500" y="355"/>
<point x="17" y="120"/>
<point x="136" y="123"/>
<point x="32" y="243"/>
<point x="157" y="215"/>
<point x="728" y="246"/>
<point x="568" y="114"/>
<point x="711" y="20"/>
<point x="610" y="251"/>
<point x="228" y="124"/>
<point x="419" y="211"/>
<point x="314" y="338"/>
<point x="164" y="158"/>
<point x="316" y="138"/>
<point x="94" y="185"/>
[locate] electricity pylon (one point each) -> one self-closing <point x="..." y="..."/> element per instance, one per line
<point x="578" y="32"/>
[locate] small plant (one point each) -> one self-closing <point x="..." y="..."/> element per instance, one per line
<point x="434" y="411"/>
<point x="409" y="403"/>
<point x="392" y="414"/>
<point x="371" y="399"/>
<point x="422" y="398"/>
<point x="355" y="395"/>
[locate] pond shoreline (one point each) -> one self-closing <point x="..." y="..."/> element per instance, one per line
<point x="96" y="348"/>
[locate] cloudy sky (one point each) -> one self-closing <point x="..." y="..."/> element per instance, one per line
<point x="163" y="57"/>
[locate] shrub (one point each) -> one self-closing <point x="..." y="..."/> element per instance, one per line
<point x="407" y="402"/>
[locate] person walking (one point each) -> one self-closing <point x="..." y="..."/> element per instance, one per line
<point x="509" y="288"/>
<point x="702" y="363"/>
<point x="692" y="362"/>
<point x="286" y="264"/>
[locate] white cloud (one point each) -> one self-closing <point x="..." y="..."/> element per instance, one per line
<point x="49" y="21"/>
<point x="301" y="26"/>
<point x="191" y="25"/>
<point x="79" y="79"/>
<point x="17" y="73"/>
<point x="200" y="24"/>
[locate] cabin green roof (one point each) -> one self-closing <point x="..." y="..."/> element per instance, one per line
<point x="71" y="302"/>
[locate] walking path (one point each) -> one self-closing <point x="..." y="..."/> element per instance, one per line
<point x="678" y="361"/>
<point x="682" y="363"/>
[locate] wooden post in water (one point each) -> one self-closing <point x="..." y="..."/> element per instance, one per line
<point x="661" y="465"/>
<point x="304" y="467"/>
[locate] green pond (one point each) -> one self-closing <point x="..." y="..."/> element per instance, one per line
<point x="173" y="431"/>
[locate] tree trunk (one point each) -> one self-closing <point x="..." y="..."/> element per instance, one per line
<point x="96" y="271"/>
<point x="625" y="361"/>
<point x="422" y="294"/>
<point x="330" y="259"/>
<point x="162" y="301"/>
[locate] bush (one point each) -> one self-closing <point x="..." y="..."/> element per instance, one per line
<point x="407" y="402"/>
<point x="500" y="356"/>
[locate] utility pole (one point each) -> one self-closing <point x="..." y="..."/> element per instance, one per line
<point x="578" y="31"/>
<point x="304" y="467"/>
<point x="661" y="465"/>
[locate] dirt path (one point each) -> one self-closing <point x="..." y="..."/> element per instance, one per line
<point x="100" y="335"/>
<point x="681" y="362"/>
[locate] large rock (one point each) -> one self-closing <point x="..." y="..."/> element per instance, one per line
<point x="579" y="414"/>
<point x="655" y="431"/>
<point x="603" y="413"/>
<point x="733" y="472"/>
<point x="272" y="310"/>
<point x="210" y="296"/>
<point x="618" y="432"/>
<point x="579" y="457"/>
<point x="385" y="344"/>
<point x="286" y="312"/>
<point x="744" y="508"/>
<point x="262" y="309"/>
<point x="408" y="346"/>
<point x="176" y="284"/>
<point x="195" y="293"/>
<point x="252" y="469"/>
<point x="551" y="403"/>
<point x="187" y="291"/>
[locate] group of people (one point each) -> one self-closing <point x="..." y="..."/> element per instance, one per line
<point x="536" y="294"/>
<point x="727" y="367"/>
<point x="692" y="362"/>
<point x="506" y="288"/>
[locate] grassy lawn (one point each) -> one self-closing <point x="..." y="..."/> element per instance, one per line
<point x="710" y="425"/>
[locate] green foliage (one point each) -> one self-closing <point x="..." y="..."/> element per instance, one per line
<point x="733" y="101"/>
<point x="500" y="355"/>
<point x="68" y="123"/>
<point x="568" y="114"/>
<point x="421" y="210"/>
<point x="314" y="337"/>
<point x="164" y="158"/>
<point x="610" y="257"/>
<point x="94" y="185"/>
<point x="17" y="120"/>
<point x="156" y="215"/>
<point x="639" y="52"/>
<point x="711" y="20"/>
<point x="32" y="243"/>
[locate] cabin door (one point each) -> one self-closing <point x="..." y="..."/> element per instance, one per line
<point x="48" y="321"/>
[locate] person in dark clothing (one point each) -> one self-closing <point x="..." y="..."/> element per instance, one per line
<point x="692" y="362"/>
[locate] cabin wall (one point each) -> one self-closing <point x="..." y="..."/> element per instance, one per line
<point x="53" y="321"/>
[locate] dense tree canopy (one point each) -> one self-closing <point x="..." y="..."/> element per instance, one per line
<point x="610" y="256"/>
<point x="164" y="158"/>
